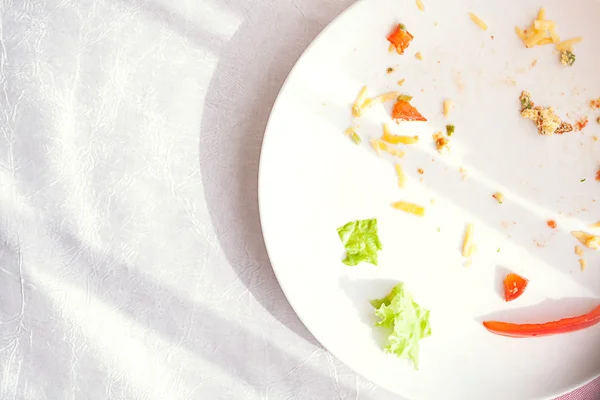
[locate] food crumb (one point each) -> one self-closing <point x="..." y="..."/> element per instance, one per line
<point x="539" y="244"/>
<point x="419" y="56"/>
<point x="579" y="251"/>
<point x="587" y="239"/>
<point x="534" y="63"/>
<point x="421" y="171"/>
<point x="567" y="58"/>
<point x="582" y="263"/>
<point x="598" y="175"/>
<point x="447" y="106"/>
<point x="595" y="137"/>
<point x="441" y="143"/>
<point x="581" y="123"/>
<point x="551" y="223"/>
<point x="390" y="70"/>
<point x="499" y="197"/>
<point x="401" y="82"/>
<point x="595" y="104"/>
<point x="463" y="173"/>
<point x="547" y="122"/>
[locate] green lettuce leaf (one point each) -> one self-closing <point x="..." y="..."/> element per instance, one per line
<point x="408" y="322"/>
<point x="361" y="241"/>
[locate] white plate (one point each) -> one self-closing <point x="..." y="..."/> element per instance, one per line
<point x="313" y="179"/>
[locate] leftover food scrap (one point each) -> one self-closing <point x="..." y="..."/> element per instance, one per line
<point x="442" y="144"/>
<point x="542" y="32"/>
<point x="400" y="38"/>
<point x="546" y="121"/>
<point x="478" y="21"/>
<point x="404" y="111"/>
<point x="514" y="286"/>
<point x="350" y="132"/>
<point x="545" y="329"/>
<point x="361" y="241"/>
<point x="407" y="322"/>
<point x="409" y="208"/>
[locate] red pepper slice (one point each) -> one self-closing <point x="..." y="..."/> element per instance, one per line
<point x="514" y="285"/>
<point x="400" y="38"/>
<point x="403" y="111"/>
<point x="548" y="328"/>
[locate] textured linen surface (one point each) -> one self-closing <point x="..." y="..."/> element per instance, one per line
<point x="131" y="258"/>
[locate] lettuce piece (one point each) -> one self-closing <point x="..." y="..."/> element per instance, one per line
<point x="408" y="322"/>
<point x="361" y="241"/>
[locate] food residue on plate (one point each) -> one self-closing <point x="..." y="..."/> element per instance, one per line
<point x="401" y="176"/>
<point x="478" y="21"/>
<point x="447" y="106"/>
<point x="546" y="121"/>
<point x="468" y="247"/>
<point x="361" y="241"/>
<point x="499" y="197"/>
<point x="442" y="144"/>
<point x="581" y="123"/>
<point x="407" y="323"/>
<point x="542" y="32"/>
<point x="551" y="223"/>
<point x="578" y="251"/>
<point x="419" y="56"/>
<point x="353" y="135"/>
<point x="409" y="208"/>
<point x="587" y="239"/>
<point x="400" y="38"/>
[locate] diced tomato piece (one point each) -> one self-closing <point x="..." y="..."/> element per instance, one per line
<point x="403" y="111"/>
<point x="514" y="285"/>
<point x="400" y="39"/>
<point x="545" y="329"/>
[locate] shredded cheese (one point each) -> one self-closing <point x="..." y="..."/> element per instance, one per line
<point x="533" y="40"/>
<point x="421" y="5"/>
<point x="541" y="14"/>
<point x="579" y="251"/>
<point x="543" y="25"/>
<point x="401" y="176"/>
<point x="520" y="33"/>
<point x="582" y="263"/>
<point x="568" y="44"/>
<point x="356" y="107"/>
<point x="447" y="107"/>
<point x="380" y="146"/>
<point x="419" y="56"/>
<point x="468" y="241"/>
<point x="587" y="239"/>
<point x="478" y="21"/>
<point x="409" y="208"/>
<point x="370" y="102"/>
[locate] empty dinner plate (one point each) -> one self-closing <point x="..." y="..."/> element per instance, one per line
<point x="523" y="182"/>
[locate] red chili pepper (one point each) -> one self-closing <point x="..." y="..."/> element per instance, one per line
<point x="514" y="285"/>
<point x="548" y="328"/>
<point x="400" y="38"/>
<point x="403" y="111"/>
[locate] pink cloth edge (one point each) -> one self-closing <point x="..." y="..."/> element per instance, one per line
<point x="591" y="391"/>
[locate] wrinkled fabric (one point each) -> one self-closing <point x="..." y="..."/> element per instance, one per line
<point x="131" y="258"/>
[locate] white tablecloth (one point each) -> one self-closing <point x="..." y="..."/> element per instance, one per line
<point x="132" y="264"/>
